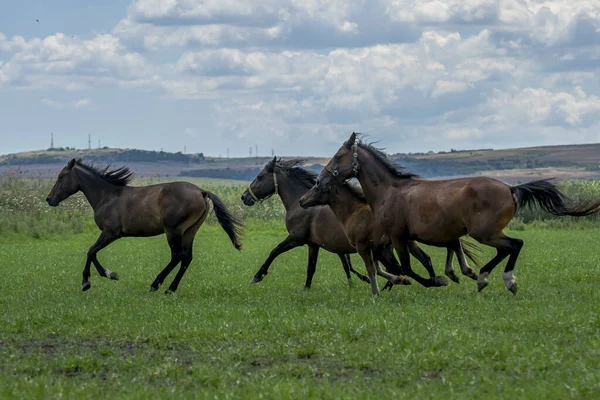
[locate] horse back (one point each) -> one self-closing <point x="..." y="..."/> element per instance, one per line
<point x="155" y="209"/>
<point x="439" y="210"/>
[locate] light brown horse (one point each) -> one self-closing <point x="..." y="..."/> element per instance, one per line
<point x="350" y="207"/>
<point x="316" y="228"/>
<point x="439" y="212"/>
<point x="176" y="209"/>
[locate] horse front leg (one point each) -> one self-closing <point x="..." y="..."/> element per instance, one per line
<point x="347" y="264"/>
<point x="313" y="255"/>
<point x="287" y="244"/>
<point x="425" y="260"/>
<point x="104" y="240"/>
<point x="367" y="257"/>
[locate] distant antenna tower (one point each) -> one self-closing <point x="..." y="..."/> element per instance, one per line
<point x="256" y="150"/>
<point x="98" y="143"/>
<point x="184" y="149"/>
<point x="89" y="141"/>
<point x="51" y="140"/>
<point x="273" y="152"/>
<point x="228" y="152"/>
<point x="250" y="151"/>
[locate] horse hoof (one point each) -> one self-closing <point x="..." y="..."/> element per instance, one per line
<point x="482" y="281"/>
<point x="256" y="279"/>
<point x="86" y="286"/>
<point x="113" y="276"/>
<point x="153" y="289"/>
<point x="453" y="277"/>
<point x="481" y="285"/>
<point x="513" y="288"/>
<point x="471" y="274"/>
<point x="440" y="281"/>
<point x="169" y="291"/>
<point x="402" y="281"/>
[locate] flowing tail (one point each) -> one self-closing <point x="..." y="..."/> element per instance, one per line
<point x="230" y="224"/>
<point x="545" y="195"/>
<point x="472" y="251"/>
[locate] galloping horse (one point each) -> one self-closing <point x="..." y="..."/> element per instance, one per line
<point x="176" y="209"/>
<point x="439" y="212"/>
<point x="317" y="227"/>
<point x="350" y="207"/>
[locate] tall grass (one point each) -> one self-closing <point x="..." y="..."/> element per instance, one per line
<point x="23" y="209"/>
<point x="576" y="191"/>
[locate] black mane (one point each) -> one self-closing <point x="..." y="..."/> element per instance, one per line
<point x="294" y="168"/>
<point x="121" y="176"/>
<point x="396" y="170"/>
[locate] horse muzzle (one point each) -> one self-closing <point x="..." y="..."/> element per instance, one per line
<point x="247" y="199"/>
<point x="304" y="203"/>
<point x="51" y="202"/>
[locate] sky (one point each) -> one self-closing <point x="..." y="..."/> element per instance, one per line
<point x="298" y="76"/>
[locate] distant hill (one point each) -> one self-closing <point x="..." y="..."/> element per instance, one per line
<point x="510" y="165"/>
<point x="468" y="162"/>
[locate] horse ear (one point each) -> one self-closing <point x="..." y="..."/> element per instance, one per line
<point x="71" y="163"/>
<point x="350" y="140"/>
<point x="274" y="159"/>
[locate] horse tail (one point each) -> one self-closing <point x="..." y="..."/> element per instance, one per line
<point x="544" y="194"/>
<point x="472" y="251"/>
<point x="230" y="224"/>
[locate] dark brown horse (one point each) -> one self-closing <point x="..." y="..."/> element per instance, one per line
<point x="350" y="207"/>
<point x="176" y="209"/>
<point x="439" y="212"/>
<point x="317" y="227"/>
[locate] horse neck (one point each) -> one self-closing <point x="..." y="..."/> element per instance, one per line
<point x="344" y="204"/>
<point x="290" y="190"/>
<point x="94" y="188"/>
<point x="373" y="177"/>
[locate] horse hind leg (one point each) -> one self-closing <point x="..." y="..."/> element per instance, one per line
<point x="462" y="261"/>
<point x="505" y="247"/>
<point x="449" y="270"/>
<point x="176" y="253"/>
<point x="186" y="253"/>
<point x="510" y="280"/>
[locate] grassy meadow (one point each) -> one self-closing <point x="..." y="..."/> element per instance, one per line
<point x="221" y="337"/>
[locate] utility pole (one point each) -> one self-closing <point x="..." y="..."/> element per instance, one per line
<point x="89" y="141"/>
<point x="250" y="151"/>
<point x="228" y="152"/>
<point x="273" y="151"/>
<point x="98" y="143"/>
<point x="184" y="149"/>
<point x="256" y="150"/>
<point x="51" y="140"/>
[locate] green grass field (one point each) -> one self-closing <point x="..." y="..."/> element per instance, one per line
<point x="221" y="337"/>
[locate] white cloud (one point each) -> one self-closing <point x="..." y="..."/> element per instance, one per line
<point x="71" y="62"/>
<point x="417" y="72"/>
<point x="59" y="105"/>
